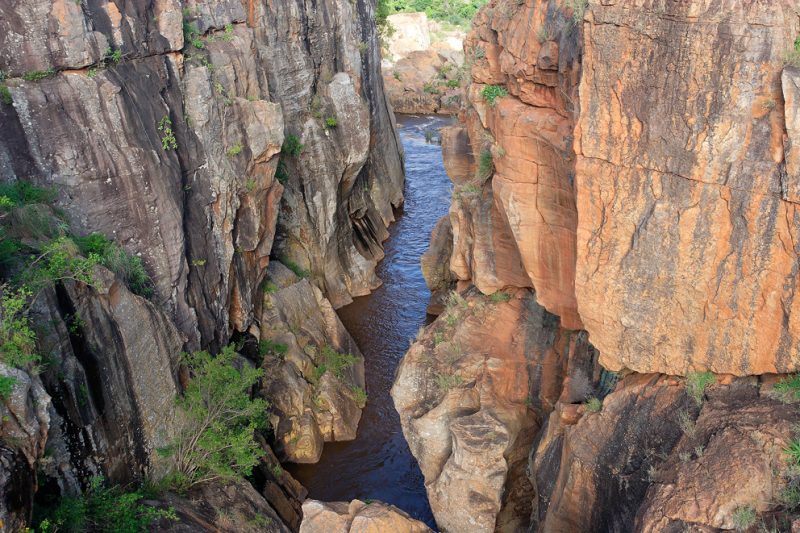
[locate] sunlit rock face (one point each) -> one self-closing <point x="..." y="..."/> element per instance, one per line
<point x="687" y="187"/>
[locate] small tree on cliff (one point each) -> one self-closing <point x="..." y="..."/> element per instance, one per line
<point x="219" y="419"/>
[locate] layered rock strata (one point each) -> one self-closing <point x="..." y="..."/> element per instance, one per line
<point x="632" y="164"/>
<point x="313" y="368"/>
<point x="161" y="126"/>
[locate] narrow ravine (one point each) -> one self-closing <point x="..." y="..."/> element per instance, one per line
<point x="378" y="464"/>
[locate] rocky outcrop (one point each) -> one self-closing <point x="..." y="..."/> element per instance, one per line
<point x="649" y="462"/>
<point x="169" y="143"/>
<point x="692" y="263"/>
<point x="422" y="65"/>
<point x="341" y="189"/>
<point x="25" y="425"/>
<point x="632" y="164"/>
<point x="471" y="401"/>
<point x="314" y="372"/>
<point x="435" y="264"/>
<point x="229" y="507"/>
<point x="357" y="517"/>
<point x="517" y="226"/>
<point x="162" y="125"/>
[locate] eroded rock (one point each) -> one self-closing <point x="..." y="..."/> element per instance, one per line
<point x="357" y="517"/>
<point x="314" y="371"/>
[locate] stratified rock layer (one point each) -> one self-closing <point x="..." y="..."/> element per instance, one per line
<point x="687" y="187"/>
<point x="472" y="393"/>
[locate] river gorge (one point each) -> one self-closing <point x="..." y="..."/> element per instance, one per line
<point x="341" y="267"/>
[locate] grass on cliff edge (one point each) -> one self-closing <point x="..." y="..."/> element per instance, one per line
<point x="696" y="383"/>
<point x="100" y="508"/>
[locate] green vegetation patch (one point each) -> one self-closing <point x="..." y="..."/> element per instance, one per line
<point x="696" y="383"/>
<point x="100" y="508"/>
<point x="217" y="437"/>
<point x="491" y="93"/>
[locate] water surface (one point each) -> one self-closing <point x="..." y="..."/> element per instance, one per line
<point x="378" y="464"/>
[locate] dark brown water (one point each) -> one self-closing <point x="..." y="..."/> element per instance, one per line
<point x="378" y="464"/>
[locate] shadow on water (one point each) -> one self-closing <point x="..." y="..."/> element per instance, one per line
<point x="378" y="464"/>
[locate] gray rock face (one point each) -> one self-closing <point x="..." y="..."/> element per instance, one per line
<point x="160" y="124"/>
<point x="322" y="61"/>
<point x="314" y="370"/>
<point x="112" y="374"/>
<point x="172" y="151"/>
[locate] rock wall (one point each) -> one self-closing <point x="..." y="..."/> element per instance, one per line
<point x="630" y="168"/>
<point x="161" y="125"/>
<point x="687" y="226"/>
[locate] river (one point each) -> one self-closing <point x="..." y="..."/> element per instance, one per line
<point x="378" y="464"/>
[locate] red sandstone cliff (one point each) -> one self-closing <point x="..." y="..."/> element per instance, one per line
<point x="635" y="174"/>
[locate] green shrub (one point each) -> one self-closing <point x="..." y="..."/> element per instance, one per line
<point x="219" y="419"/>
<point x="113" y="56"/>
<point x="793" y="451"/>
<point x="491" y="93"/>
<point x="292" y="146"/>
<point x="336" y="362"/>
<point x="101" y="509"/>
<point x="269" y="288"/>
<point x="790" y="497"/>
<point x="192" y="35"/>
<point x="38" y="75"/>
<point x="788" y="389"/>
<point x="228" y="37"/>
<point x="458" y="13"/>
<point x="330" y="122"/>
<point x="359" y="396"/>
<point x="234" y="150"/>
<point x="21" y="193"/>
<point x="594" y="405"/>
<point x="128" y="267"/>
<point x="485" y="164"/>
<point x="696" y="383"/>
<point x="268" y="347"/>
<point x="744" y="518"/>
<point x="452" y="84"/>
<point x="7" y="386"/>
<point x="445" y="382"/>
<point x="168" y="141"/>
<point x="5" y="95"/>
<point x="430" y="88"/>
<point x="281" y="172"/>
<point x="499" y="296"/>
<point x="294" y="267"/>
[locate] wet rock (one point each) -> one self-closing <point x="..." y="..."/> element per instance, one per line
<point x="357" y="517"/>
<point x="314" y="371"/>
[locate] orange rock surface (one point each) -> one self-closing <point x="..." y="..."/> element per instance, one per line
<point x="529" y="218"/>
<point x="687" y="217"/>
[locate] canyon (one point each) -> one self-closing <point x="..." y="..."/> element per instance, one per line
<point x="612" y="335"/>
